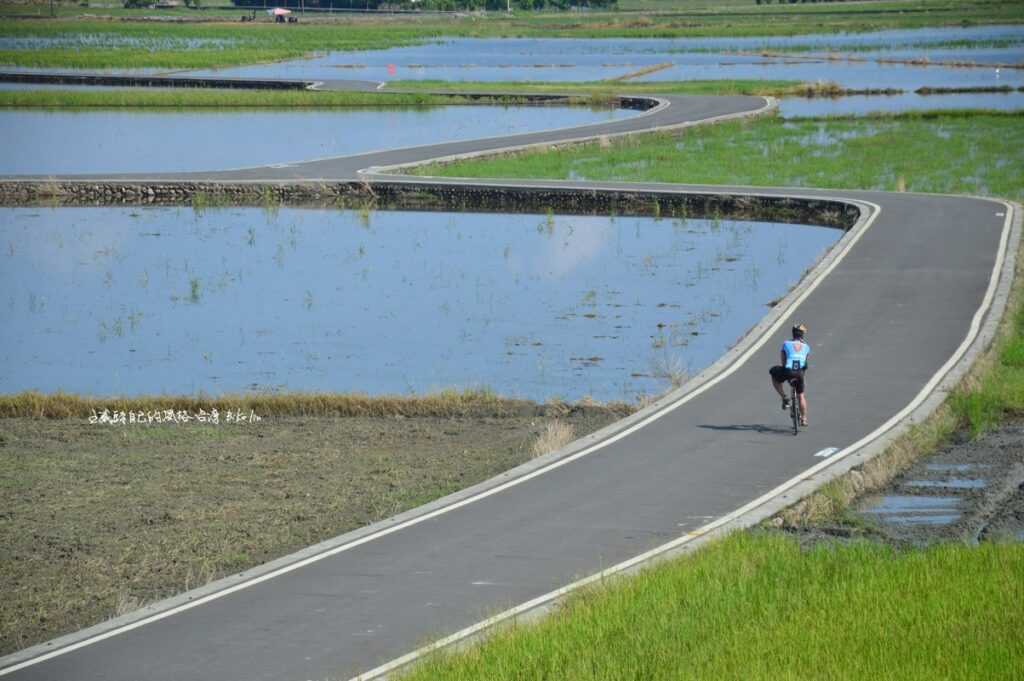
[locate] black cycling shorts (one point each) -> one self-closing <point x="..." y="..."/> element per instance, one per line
<point x="781" y="374"/>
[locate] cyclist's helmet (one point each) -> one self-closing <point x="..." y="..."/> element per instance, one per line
<point x="799" y="330"/>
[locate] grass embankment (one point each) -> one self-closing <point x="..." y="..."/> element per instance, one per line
<point x="758" y="607"/>
<point x="585" y="94"/>
<point x="98" y="519"/>
<point x="249" y="99"/>
<point x="951" y="152"/>
<point x="129" y="44"/>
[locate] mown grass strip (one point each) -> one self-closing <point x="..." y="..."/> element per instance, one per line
<point x="956" y="152"/>
<point x="758" y="607"/>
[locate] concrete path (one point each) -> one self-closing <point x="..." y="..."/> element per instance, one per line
<point x="883" y="323"/>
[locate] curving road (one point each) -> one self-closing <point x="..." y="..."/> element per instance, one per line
<point x="890" y="312"/>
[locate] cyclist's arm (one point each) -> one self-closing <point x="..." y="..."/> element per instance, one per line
<point x="782" y="356"/>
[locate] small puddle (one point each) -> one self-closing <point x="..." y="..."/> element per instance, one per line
<point x="915" y="510"/>
<point x="923" y="519"/>
<point x="950" y="484"/>
<point x="958" y="467"/>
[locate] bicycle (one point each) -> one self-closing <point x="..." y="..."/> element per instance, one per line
<point x="794" y="405"/>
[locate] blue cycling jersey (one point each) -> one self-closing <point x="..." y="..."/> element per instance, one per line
<point x="796" y="353"/>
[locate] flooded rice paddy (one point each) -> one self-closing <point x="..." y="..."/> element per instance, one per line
<point x="110" y="301"/>
<point x="119" y="141"/>
<point x="805" y="58"/>
<point x="858" y="105"/>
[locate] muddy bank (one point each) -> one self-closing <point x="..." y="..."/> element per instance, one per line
<point x="98" y="519"/>
<point x="428" y="197"/>
<point x="968" y="491"/>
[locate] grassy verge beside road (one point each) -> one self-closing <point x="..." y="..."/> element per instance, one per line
<point x="948" y="152"/>
<point x="758" y="607"/>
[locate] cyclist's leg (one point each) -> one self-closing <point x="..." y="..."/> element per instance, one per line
<point x="778" y="380"/>
<point x="801" y="391"/>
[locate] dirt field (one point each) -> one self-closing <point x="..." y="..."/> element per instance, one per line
<point x="96" y="520"/>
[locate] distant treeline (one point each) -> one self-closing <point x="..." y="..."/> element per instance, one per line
<point x="442" y="5"/>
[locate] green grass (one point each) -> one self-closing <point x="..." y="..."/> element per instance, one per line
<point x="124" y="44"/>
<point x="758" y="607"/>
<point x="220" y="99"/>
<point x="691" y="87"/>
<point x="105" y="44"/>
<point x="949" y="152"/>
<point x="998" y="391"/>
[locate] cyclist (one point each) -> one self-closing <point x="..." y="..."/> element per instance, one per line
<point x="794" y="363"/>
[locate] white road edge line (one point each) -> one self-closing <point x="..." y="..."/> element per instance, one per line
<point x="767" y="334"/>
<point x="972" y="333"/>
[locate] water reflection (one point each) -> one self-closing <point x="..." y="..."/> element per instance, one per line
<point x="575" y="59"/>
<point x="791" y="107"/>
<point x="122" y="141"/>
<point x="146" y="300"/>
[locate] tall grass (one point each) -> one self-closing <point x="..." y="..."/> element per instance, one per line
<point x="555" y="435"/>
<point x="997" y="392"/>
<point x="759" y="607"/>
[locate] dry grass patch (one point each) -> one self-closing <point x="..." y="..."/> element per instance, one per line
<point x="555" y="435"/>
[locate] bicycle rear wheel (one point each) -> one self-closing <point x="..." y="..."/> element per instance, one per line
<point x="794" y="409"/>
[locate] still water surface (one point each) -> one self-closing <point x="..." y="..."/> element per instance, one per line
<point x="585" y="59"/>
<point x="108" y="301"/>
<point x="119" y="141"/>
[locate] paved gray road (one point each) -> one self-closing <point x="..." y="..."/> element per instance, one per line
<point x="882" y="324"/>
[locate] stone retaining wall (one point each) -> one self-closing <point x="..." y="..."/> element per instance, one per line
<point x="429" y="196"/>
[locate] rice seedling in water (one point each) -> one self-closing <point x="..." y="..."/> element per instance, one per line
<point x="671" y="368"/>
